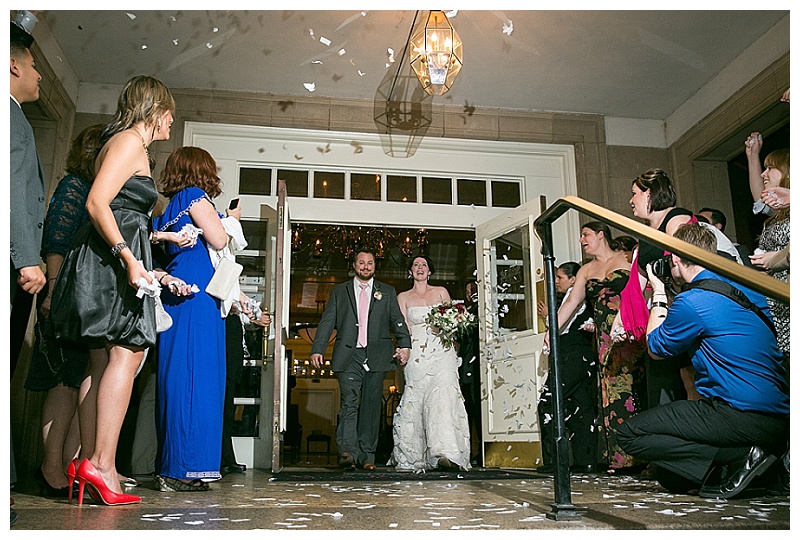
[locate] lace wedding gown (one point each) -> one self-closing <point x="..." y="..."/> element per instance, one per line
<point x="431" y="421"/>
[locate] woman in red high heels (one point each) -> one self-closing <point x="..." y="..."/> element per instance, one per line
<point x="95" y="299"/>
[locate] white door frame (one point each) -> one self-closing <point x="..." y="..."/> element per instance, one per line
<point x="542" y="169"/>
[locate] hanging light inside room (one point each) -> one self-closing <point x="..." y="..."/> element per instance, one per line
<point x="435" y="53"/>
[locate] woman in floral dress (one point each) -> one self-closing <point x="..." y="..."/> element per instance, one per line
<point x="622" y="381"/>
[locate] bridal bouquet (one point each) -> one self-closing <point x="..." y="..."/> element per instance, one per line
<point x="450" y="320"/>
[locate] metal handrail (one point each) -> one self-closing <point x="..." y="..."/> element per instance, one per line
<point x="563" y="509"/>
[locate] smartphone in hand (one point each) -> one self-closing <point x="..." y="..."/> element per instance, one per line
<point x="234" y="203"/>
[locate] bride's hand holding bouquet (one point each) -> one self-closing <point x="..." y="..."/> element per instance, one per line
<point x="450" y="320"/>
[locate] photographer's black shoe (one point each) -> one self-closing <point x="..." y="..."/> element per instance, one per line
<point x="740" y="476"/>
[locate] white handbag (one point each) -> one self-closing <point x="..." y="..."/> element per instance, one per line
<point x="163" y="319"/>
<point x="226" y="275"/>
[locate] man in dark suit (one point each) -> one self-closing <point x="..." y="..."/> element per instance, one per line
<point x="469" y="373"/>
<point x="365" y="314"/>
<point x="27" y="189"/>
<point x="27" y="199"/>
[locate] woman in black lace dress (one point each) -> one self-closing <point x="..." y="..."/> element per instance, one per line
<point x="58" y="370"/>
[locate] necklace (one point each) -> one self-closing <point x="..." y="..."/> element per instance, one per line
<point x="147" y="152"/>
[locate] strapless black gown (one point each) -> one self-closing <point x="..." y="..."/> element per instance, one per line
<point x="92" y="303"/>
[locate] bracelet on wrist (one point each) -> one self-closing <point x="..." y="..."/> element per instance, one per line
<point x="161" y="279"/>
<point x="117" y="248"/>
<point x="660" y="304"/>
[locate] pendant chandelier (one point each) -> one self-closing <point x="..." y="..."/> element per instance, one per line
<point x="435" y="53"/>
<point x="343" y="241"/>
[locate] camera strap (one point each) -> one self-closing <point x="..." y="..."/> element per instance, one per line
<point x="726" y="289"/>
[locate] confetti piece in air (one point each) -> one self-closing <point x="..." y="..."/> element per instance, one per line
<point x="144" y="47"/>
<point x="298" y="157"/>
<point x="209" y="45"/>
<point x="174" y="41"/>
<point x="310" y="86"/>
<point x="324" y="150"/>
<point x="311" y="32"/>
<point x="131" y="16"/>
<point x="452" y="13"/>
<point x="361" y="73"/>
<point x="390" y="51"/>
<point x="508" y="27"/>
<point x="325" y="41"/>
<point x="316" y="62"/>
<point x="357" y="148"/>
<point x="341" y="52"/>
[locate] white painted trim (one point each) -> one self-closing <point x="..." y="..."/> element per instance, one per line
<point x="543" y="169"/>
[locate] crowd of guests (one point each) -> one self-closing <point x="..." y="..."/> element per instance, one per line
<point x="650" y="378"/>
<point x="704" y="389"/>
<point x="111" y="264"/>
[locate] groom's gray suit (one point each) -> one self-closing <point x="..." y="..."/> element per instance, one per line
<point x="358" y="429"/>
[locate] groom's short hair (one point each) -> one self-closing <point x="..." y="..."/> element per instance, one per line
<point x="359" y="251"/>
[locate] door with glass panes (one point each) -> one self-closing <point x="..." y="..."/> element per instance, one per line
<point x="513" y="369"/>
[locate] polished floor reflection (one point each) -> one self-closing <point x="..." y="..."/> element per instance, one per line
<point x="257" y="500"/>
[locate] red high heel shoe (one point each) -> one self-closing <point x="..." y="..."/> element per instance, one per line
<point x="72" y="471"/>
<point x="88" y="474"/>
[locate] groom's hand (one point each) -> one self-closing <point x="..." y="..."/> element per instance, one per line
<point x="316" y="360"/>
<point x="402" y="355"/>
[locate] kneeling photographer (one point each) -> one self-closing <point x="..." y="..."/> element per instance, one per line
<point x="731" y="438"/>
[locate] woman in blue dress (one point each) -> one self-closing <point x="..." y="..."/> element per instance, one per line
<point x="190" y="375"/>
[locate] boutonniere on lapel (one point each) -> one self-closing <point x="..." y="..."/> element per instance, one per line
<point x="378" y="294"/>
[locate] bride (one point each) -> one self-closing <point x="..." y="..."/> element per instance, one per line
<point x="430" y="426"/>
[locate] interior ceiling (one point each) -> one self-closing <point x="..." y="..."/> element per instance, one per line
<point x="634" y="64"/>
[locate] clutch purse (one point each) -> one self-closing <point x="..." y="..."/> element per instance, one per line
<point x="163" y="319"/>
<point x="226" y="275"/>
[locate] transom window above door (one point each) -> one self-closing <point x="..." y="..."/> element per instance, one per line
<point x="382" y="186"/>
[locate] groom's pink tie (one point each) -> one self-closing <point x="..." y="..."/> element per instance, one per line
<point x="363" y="308"/>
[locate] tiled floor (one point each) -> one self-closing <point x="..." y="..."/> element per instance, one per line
<point x="254" y="500"/>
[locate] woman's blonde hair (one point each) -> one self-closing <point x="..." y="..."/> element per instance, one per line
<point x="143" y="98"/>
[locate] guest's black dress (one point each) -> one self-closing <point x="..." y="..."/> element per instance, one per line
<point x="92" y="303"/>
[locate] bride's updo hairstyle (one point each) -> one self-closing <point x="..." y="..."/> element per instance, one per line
<point x="414" y="258"/>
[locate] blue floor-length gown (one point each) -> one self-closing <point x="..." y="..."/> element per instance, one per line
<point x="191" y="358"/>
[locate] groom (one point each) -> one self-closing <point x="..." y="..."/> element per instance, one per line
<point x="365" y="314"/>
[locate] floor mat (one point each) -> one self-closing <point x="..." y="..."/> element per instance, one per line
<point x="389" y="474"/>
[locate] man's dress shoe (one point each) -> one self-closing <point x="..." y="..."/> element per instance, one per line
<point x="346" y="461"/>
<point x="369" y="467"/>
<point x="232" y="468"/>
<point x="739" y="477"/>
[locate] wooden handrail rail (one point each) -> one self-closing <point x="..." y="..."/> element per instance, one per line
<point x="728" y="268"/>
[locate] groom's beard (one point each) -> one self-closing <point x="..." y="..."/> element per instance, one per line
<point x="365" y="274"/>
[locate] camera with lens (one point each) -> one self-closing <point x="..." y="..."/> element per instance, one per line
<point x="662" y="268"/>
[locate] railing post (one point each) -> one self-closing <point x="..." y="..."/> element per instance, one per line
<point x="563" y="509"/>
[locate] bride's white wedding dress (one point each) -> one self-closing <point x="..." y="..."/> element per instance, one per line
<point x="431" y="421"/>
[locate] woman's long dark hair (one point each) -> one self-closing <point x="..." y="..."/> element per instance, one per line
<point x="600" y="227"/>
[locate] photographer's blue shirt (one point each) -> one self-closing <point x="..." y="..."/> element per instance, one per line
<point x="734" y="353"/>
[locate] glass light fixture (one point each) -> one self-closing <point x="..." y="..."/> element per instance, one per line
<point x="436" y="55"/>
